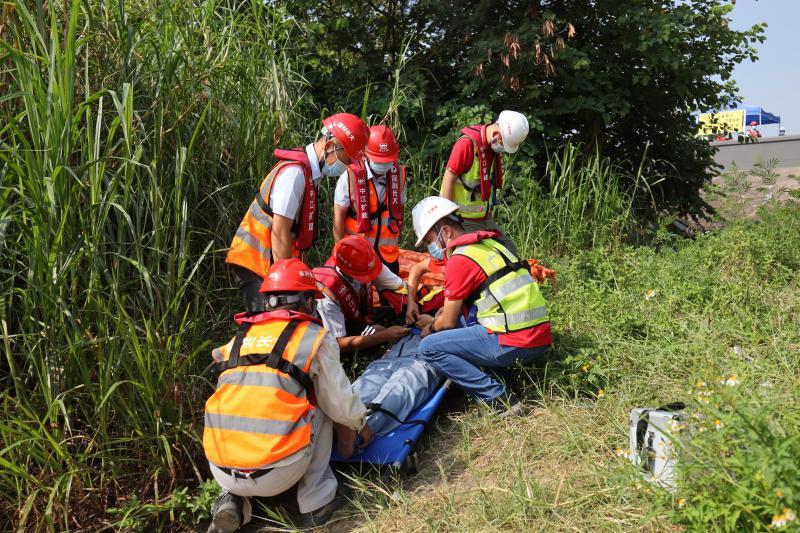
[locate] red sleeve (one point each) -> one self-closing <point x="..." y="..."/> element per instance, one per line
<point x="461" y="156"/>
<point x="461" y="277"/>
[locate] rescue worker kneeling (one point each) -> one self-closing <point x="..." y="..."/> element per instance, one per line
<point x="490" y="290"/>
<point x="270" y="422"/>
<point x="346" y="282"/>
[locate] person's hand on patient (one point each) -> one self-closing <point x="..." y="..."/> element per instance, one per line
<point x="423" y="321"/>
<point x="412" y="312"/>
<point x="394" y="333"/>
<point x="366" y="436"/>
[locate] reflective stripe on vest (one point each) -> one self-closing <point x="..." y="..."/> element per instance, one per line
<point x="252" y="244"/>
<point x="388" y="243"/>
<point x="509" y="300"/>
<point x="259" y="415"/>
<point x="467" y="190"/>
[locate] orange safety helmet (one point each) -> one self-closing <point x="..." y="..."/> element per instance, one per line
<point x="382" y="146"/>
<point x="356" y="258"/>
<point x="350" y="131"/>
<point x="290" y="275"/>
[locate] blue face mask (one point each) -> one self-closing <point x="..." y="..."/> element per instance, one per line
<point x="380" y="168"/>
<point x="436" y="251"/>
<point x="336" y="169"/>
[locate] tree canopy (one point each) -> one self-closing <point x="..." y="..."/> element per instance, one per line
<point x="619" y="75"/>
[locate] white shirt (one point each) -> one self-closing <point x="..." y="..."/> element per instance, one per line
<point x="331" y="312"/>
<point x="290" y="186"/>
<point x="341" y="195"/>
<point x="335" y="396"/>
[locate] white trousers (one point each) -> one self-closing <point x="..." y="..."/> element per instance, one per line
<point x="312" y="469"/>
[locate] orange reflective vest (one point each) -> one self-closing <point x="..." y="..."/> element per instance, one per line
<point x="252" y="244"/>
<point x="263" y="407"/>
<point x="378" y="222"/>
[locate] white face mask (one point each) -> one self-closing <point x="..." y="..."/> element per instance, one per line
<point x="379" y="169"/>
<point x="498" y="148"/>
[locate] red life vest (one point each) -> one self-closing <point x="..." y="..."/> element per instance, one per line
<point x="364" y="210"/>
<point x="356" y="304"/>
<point x="485" y="158"/>
<point x="472" y="238"/>
<point x="242" y="318"/>
<point x="305" y="229"/>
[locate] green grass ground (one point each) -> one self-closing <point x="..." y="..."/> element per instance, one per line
<point x="635" y="327"/>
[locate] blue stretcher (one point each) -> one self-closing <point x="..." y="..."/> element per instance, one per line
<point x="395" y="447"/>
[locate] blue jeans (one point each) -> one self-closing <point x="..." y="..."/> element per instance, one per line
<point x="460" y="353"/>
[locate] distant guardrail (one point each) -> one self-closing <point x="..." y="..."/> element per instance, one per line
<point x="785" y="149"/>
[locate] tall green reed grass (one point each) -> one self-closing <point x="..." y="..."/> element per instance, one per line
<point x="576" y="201"/>
<point x="132" y="137"/>
<point x="129" y="134"/>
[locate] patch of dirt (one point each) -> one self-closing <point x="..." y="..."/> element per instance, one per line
<point x="745" y="202"/>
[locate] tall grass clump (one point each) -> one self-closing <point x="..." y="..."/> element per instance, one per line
<point x="578" y="201"/>
<point x="129" y="133"/>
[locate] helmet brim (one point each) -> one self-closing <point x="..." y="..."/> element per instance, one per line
<point x="317" y="293"/>
<point x="391" y="158"/>
<point x="510" y="149"/>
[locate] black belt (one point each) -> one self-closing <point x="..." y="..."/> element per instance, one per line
<point x="253" y="474"/>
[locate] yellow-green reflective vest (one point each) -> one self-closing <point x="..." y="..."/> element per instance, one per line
<point x="509" y="300"/>
<point x="467" y="192"/>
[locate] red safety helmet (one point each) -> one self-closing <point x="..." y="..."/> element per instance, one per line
<point x="356" y="258"/>
<point x="382" y="146"/>
<point x="290" y="275"/>
<point x="754" y="123"/>
<point x="350" y="131"/>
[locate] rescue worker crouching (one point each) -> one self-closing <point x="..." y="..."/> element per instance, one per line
<point x="269" y="424"/>
<point x="474" y="171"/>
<point x="492" y="292"/>
<point x="281" y="221"/>
<point x="370" y="197"/>
<point x="346" y="283"/>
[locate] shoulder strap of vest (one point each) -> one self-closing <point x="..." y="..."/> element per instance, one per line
<point x="328" y="274"/>
<point x="296" y="155"/>
<point x="274" y="359"/>
<point x="510" y="266"/>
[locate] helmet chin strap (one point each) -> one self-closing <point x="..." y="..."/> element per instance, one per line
<point x="439" y="227"/>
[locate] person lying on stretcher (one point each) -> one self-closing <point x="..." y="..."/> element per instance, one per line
<point x="392" y="387"/>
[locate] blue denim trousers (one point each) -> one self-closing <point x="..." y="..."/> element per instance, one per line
<point x="461" y="353"/>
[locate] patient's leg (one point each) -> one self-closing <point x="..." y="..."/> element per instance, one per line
<point x="370" y="383"/>
<point x="409" y="384"/>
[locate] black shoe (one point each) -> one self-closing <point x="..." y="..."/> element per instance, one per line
<point x="507" y="406"/>
<point x="227" y="513"/>
<point x="320" y="517"/>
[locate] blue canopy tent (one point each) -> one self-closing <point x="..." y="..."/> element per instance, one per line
<point x="758" y="115"/>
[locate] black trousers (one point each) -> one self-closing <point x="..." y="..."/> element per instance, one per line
<point x="249" y="284"/>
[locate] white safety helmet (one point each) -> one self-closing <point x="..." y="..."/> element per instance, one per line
<point x="428" y="212"/>
<point x="513" y="129"/>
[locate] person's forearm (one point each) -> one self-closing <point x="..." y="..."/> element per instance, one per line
<point x="281" y="245"/>
<point x="339" y="217"/>
<point x="338" y="231"/>
<point x="414" y="277"/>
<point x="362" y="342"/>
<point x="448" y="181"/>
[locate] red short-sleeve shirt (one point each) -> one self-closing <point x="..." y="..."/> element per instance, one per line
<point x="463" y="276"/>
<point x="461" y="156"/>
